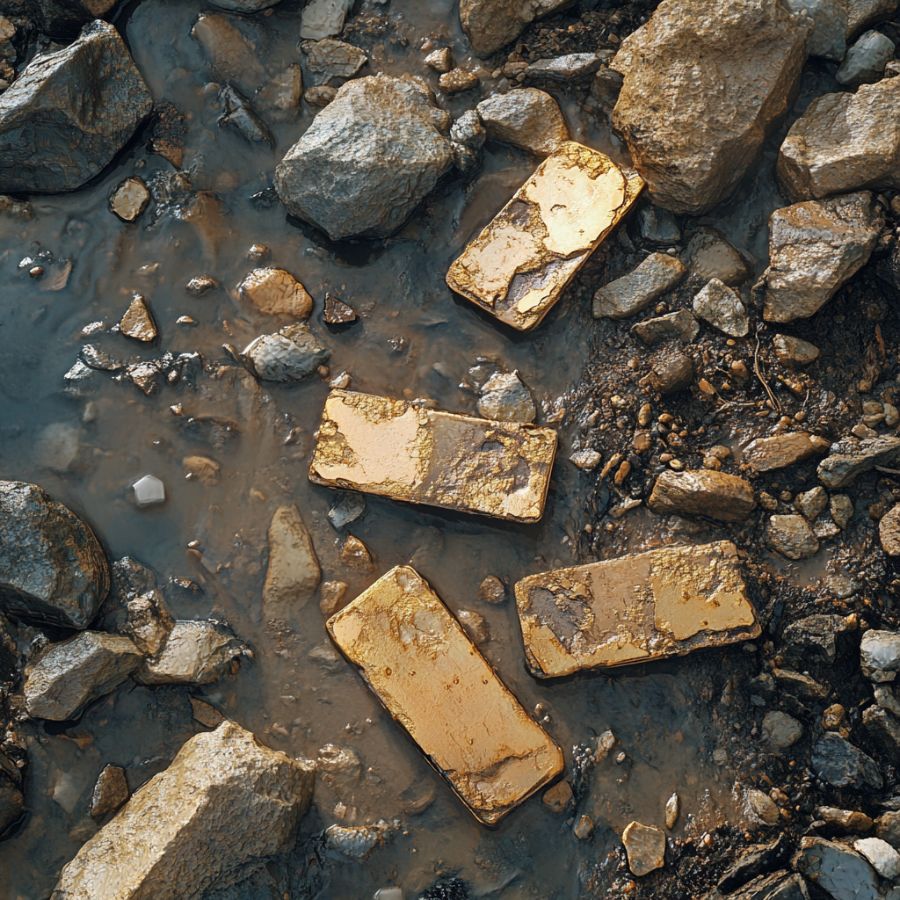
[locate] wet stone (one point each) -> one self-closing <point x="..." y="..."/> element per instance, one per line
<point x="475" y="625"/>
<point x="490" y="24"/>
<point x="355" y="553"/>
<point x="110" y="792"/>
<point x="887" y="827"/>
<point x="525" y="117"/>
<point x="672" y="811"/>
<point x="276" y="292"/>
<point x="722" y="308"/>
<point x="137" y="322"/>
<point x="883" y="858"/>
<point x="780" y="731"/>
<point x="646" y="848"/>
<point x="844" y="820"/>
<point x="811" y="504"/>
<point x="440" y="60"/>
<point x="849" y="458"/>
<point x="505" y="398"/>
<point x="324" y="18"/>
<point x="320" y="95"/>
<point x="829" y="17"/>
<point x="711" y="256"/>
<point x="492" y="590"/>
<point x="458" y="80"/>
<point x="672" y="371"/>
<point x="755" y="859"/>
<point x="781" y="450"/>
<point x="397" y="449"/>
<point x="889" y="531"/>
<point x="227" y="44"/>
<point x="559" y="798"/>
<point x="640" y="607"/>
<point x="336" y="312"/>
<point x="775" y="886"/>
<point x="879" y="655"/>
<point x="357" y="841"/>
<point x="883" y="730"/>
<point x="841" y="764"/>
<point x="680" y="325"/>
<point x="149" y="491"/>
<point x="587" y="459"/>
<point x="205" y="713"/>
<point x="434" y="682"/>
<point x="628" y="295"/>
<point x="659" y="226"/>
<point x="346" y="510"/>
<point x="819" y="637"/>
<point x="329" y="58"/>
<point x="291" y="354"/>
<point x="130" y="199"/>
<point x="519" y="265"/>
<point x="836" y="869"/>
<point x="564" y="69"/>
<point x="293" y="572"/>
<point x="202" y="469"/>
<point x="280" y="96"/>
<point x="793" y="351"/>
<point x="195" y="652"/>
<point x="866" y="59"/>
<point x="702" y="492"/>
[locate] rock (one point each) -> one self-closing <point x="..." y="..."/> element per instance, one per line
<point x="130" y="199"/>
<point x="887" y="827"/>
<point x="293" y="572"/>
<point x="883" y="729"/>
<point x="291" y="354"/>
<point x="357" y="841"/>
<point x="811" y="504"/>
<point x="346" y="510"/>
<point x="50" y="139"/>
<point x="355" y="553"/>
<point x="692" y="126"/>
<point x="69" y="675"/>
<point x="276" y="292"/>
<point x="817" y="637"/>
<point x="475" y="625"/>
<point x="458" y="80"/>
<point x="761" y="808"/>
<point x="490" y="24"/>
<point x="564" y="69"/>
<point x="702" y="492"/>
<point x="329" y="58"/>
<point x="866" y="59"/>
<point x="884" y="859"/>
<point x="793" y="351"/>
<point x="110" y="792"/>
<point x="324" y="18"/>
<point x="12" y="802"/>
<point x="888" y="698"/>
<point x="781" y="450"/>
<point x="776" y="886"/>
<point x="245" y="6"/>
<point x="754" y="860"/>
<point x="628" y="295"/>
<point x="149" y="491"/>
<point x="367" y="160"/>
<point x="845" y="820"/>
<point x="280" y="96"/>
<point x="836" y="869"/>
<point x="889" y="531"/>
<point x="673" y="808"/>
<point x="52" y="567"/>
<point x="505" y="398"/>
<point x="645" y="846"/>
<point x="148" y="622"/>
<point x="137" y="322"/>
<point x="58" y="446"/>
<point x="605" y="89"/>
<point x="559" y="798"/>
<point x="722" y="308"/>
<point x="202" y="469"/>
<point x="671" y="372"/>
<point x="336" y="312"/>
<point x="320" y="95"/>
<point x="843" y="142"/>
<point x="225" y="801"/>
<point x="800" y="684"/>
<point x="205" y="713"/>
<point x="238" y="113"/>
<point x="865" y="12"/>
<point x="879" y="654"/>
<point x="814" y="248"/>
<point x="850" y="458"/>
<point x="658" y="226"/>
<point x="525" y="117"/>
<point x="492" y="590"/>
<point x="780" y="730"/>
<point x="829" y="17"/>
<point x="837" y="761"/>
<point x="711" y="256"/>
<point x="587" y="459"/>
<point x="679" y="325"/>
<point x="195" y="652"/>
<point x="440" y="60"/>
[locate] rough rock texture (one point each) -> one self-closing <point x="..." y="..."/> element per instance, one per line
<point x="814" y="248"/>
<point x="679" y="325"/>
<point x="323" y="18"/>
<point x="889" y="531"/>
<point x="195" y="652"/>
<point x="703" y="82"/>
<point x="293" y="572"/>
<point x="702" y="492"/>
<point x="225" y="801"/>
<point x="368" y="159"/>
<point x="838" y="762"/>
<point x="505" y="398"/>
<point x="711" y="256"/>
<point x="628" y="295"/>
<point x="69" y="112"/>
<point x="836" y="869"/>
<point x="816" y="638"/>
<point x="52" y="568"/>
<point x="844" y="142"/>
<point x="148" y="622"/>
<point x="291" y="354"/>
<point x="829" y="36"/>
<point x="794" y="351"/>
<point x="526" y="118"/>
<point x="645" y="846"/>
<point x="780" y="450"/>
<point x="276" y="292"/>
<point x="780" y="731"/>
<point x="866" y="59"/>
<point x="721" y="307"/>
<point x="879" y="655"/>
<point x="792" y="537"/>
<point x="70" y="674"/>
<point x="110" y="792"/>
<point x="490" y="24"/>
<point x="848" y="459"/>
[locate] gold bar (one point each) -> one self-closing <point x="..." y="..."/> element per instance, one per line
<point x="640" y="607"/>
<point x="405" y="451"/>
<point x="431" y="678"/>
<point x="521" y="262"/>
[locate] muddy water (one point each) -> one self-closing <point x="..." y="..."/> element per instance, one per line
<point x="414" y="339"/>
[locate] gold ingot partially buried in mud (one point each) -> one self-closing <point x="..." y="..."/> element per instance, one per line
<point x="645" y="606"/>
<point x="519" y="265"/>
<point x="405" y="451"/>
<point x="431" y="678"/>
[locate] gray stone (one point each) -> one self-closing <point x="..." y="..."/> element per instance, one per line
<point x="329" y="58"/>
<point x="711" y="256"/>
<point x="829" y="17"/>
<point x="849" y="458"/>
<point x="861" y="13"/>
<point x="110" y="792"/>
<point x="883" y="729"/>
<point x="69" y="675"/>
<point x="468" y="130"/>
<point x="571" y="67"/>
<point x="817" y="638"/>
<point x="721" y="307"/>
<point x="490" y="24"/>
<point x="148" y="622"/>
<point x="761" y="807"/>
<point x="51" y="139"/>
<point x="879" y="655"/>
<point x="280" y="96"/>
<point x="702" y="492"/>
<point x="887" y="827"/>
<point x="291" y="354"/>
<point x="505" y="398"/>
<point x="224" y="802"/>
<point x="793" y="351"/>
<point x="658" y="226"/>
<point x="52" y="567"/>
<point x="244" y="6"/>
<point x="841" y="764"/>
<point x="792" y="537"/>
<point x="836" y="869"/>
<point x="887" y="696"/>
<point x="628" y="295"/>
<point x="195" y="652"/>
<point x="811" y="504"/>
<point x="780" y="730"/>
<point x="346" y="510"/>
<point x="525" y="117"/>
<point x="883" y="858"/>
<point x="814" y="248"/>
<point x="679" y="325"/>
<point x="323" y="18"/>
<point x="866" y="59"/>
<point x="293" y="572"/>
<point x="232" y="55"/>
<point x="367" y="160"/>
<point x="149" y="491"/>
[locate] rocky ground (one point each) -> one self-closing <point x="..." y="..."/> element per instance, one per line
<point x="739" y="383"/>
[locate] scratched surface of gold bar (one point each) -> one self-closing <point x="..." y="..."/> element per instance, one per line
<point x="518" y="266"/>
<point x="640" y="607"/>
<point x="431" y="678"/>
<point x="405" y="451"/>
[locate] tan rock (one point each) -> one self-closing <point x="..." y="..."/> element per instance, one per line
<point x="137" y="323"/>
<point x="458" y="80"/>
<point x="889" y="531"/>
<point x="130" y="199"/>
<point x="293" y="573"/>
<point x="781" y="450"/>
<point x="645" y="846"/>
<point x="202" y="468"/>
<point x="195" y="652"/>
<point x="276" y="292"/>
<point x="110" y="791"/>
<point x="702" y="492"/>
<point x="525" y="117"/>
<point x="559" y="798"/>
<point x="792" y="536"/>
<point x="355" y="553"/>
<point x="491" y="24"/>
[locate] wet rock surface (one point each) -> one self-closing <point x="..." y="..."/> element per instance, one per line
<point x="628" y="295"/>
<point x="702" y="493"/>
<point x="194" y="652"/>
<point x="527" y="117"/>
<point x="489" y="24"/>
<point x="291" y="354"/>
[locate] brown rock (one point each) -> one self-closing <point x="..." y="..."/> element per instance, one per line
<point x="336" y="312"/>
<point x="110" y="792"/>
<point x="645" y="846"/>
<point x="792" y="537"/>
<point x="137" y="323"/>
<point x="276" y="292"/>
<point x="781" y="450"/>
<point x="526" y="117"/>
<point x="559" y="798"/>
<point x="490" y="24"/>
<point x="702" y="492"/>
<point x="202" y="468"/>
<point x="889" y="531"/>
<point x="458" y="80"/>
<point x="293" y="571"/>
<point x="130" y="199"/>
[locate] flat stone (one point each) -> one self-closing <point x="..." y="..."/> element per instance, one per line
<point x="848" y="459"/>
<point x="336" y="312"/>
<point x="291" y="354"/>
<point x="524" y="117"/>
<point x="324" y="18"/>
<point x="293" y="572"/>
<point x="505" y="398"/>
<point x="691" y="125"/>
<point x="811" y="504"/>
<point x="722" y="308"/>
<point x="794" y="351"/>
<point x="52" y="567"/>
<point x="367" y="160"/>
<point x="814" y="248"/>
<point x="800" y="684"/>
<point x="843" y="142"/>
<point x="710" y="256"/>
<point x="50" y="140"/>
<point x="137" y="322"/>
<point x="657" y="274"/>
<point x="879" y="655"/>
<point x="195" y="652"/>
<point x="168" y="841"/>
<point x="110" y="792"/>
<point x="672" y="811"/>
<point x="521" y="262"/>
<point x="849" y="821"/>
<point x="69" y="675"/>
<point x="766" y="454"/>
<point x="130" y="199"/>
<point x="702" y="492"/>
<point x="491" y="24"/>
<point x="836" y="869"/>
<point x="889" y="531"/>
<point x="458" y="80"/>
<point x="329" y="58"/>
<point x="587" y="459"/>
<point x="780" y="731"/>
<point x="397" y="449"/>
<point x="149" y="491"/>
<point x="276" y="292"/>
<point x="645" y="846"/>
<point x="866" y="59"/>
<point x="680" y="325"/>
<point x="829" y="37"/>
<point x="564" y="69"/>
<point x="434" y="682"/>
<point x="883" y="858"/>
<point x="792" y="536"/>
<point x="842" y="765"/>
<point x="639" y="607"/>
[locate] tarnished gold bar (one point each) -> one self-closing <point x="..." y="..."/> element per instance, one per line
<point x="431" y="678"/>
<point x="520" y="263"/>
<point x="405" y="451"/>
<point x="644" y="606"/>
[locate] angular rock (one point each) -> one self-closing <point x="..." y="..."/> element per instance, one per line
<point x="293" y="572"/>
<point x="889" y="531"/>
<point x="69" y="675"/>
<point x="329" y="58"/>
<point x="628" y="295"/>
<point x="324" y="18"/>
<point x="238" y="113"/>
<point x="722" y="308"/>
<point x="137" y="323"/>
<point x="505" y="398"/>
<point x="814" y="248"/>
<point x="848" y="459"/>
<point x="841" y="764"/>
<point x="711" y="256"/>
<point x="793" y="351"/>
<point x="658" y="226"/>
<point x="828" y="39"/>
<point x="440" y="60"/>
<point x="490" y="24"/>
<point x="685" y="111"/>
<point x="458" y="80"/>
<point x="110" y="792"/>
<point x="819" y="637"/>
<point x="780" y="730"/>
<point x="244" y="6"/>
<point x="845" y="820"/>
<point x="231" y="52"/>
<point x="811" y="504"/>
<point x="346" y="510"/>
<point x="564" y="69"/>
<point x="879" y="655"/>
<point x="291" y="354"/>
<point x="195" y="652"/>
<point x="866" y="59"/>
<point x="280" y="96"/>
<point x="225" y="801"/>
<point x="702" y="492"/>
<point x="130" y="199"/>
<point x="887" y="827"/>
<point x="149" y="491"/>
<point x="672" y="371"/>
<point x="753" y="860"/>
<point x="276" y="292"/>
<point x="525" y="117"/>
<point x="367" y="160"/>
<point x="336" y="312"/>
<point x="883" y="858"/>
<point x="781" y="450"/>
<point x="51" y="139"/>
<point x="202" y="469"/>
<point x="52" y="568"/>
<point x="836" y="869"/>
<point x="679" y="325"/>
<point x="645" y="846"/>
<point x="883" y="729"/>
<point x="776" y="886"/>
<point x="148" y="622"/>
<point x="792" y="537"/>
<point x="844" y="142"/>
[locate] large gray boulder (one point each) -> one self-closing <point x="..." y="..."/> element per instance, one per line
<point x="69" y="112"/>
<point x="491" y="24"/>
<point x="52" y="567"/>
<point x="244" y="6"/>
<point x="368" y="159"/>
<point x="224" y="802"/>
<point x="704" y="80"/>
